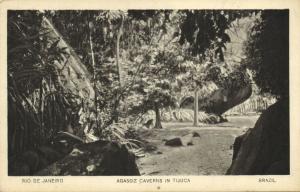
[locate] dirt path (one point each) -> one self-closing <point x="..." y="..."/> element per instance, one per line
<point x="210" y="153"/>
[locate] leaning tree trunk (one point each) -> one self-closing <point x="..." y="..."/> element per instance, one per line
<point x="71" y="67"/>
<point x="196" y="108"/>
<point x="157" y="117"/>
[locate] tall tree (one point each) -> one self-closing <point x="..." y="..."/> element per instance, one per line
<point x="156" y="86"/>
<point x="160" y="58"/>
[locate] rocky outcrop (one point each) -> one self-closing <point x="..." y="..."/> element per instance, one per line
<point x="220" y="100"/>
<point x="97" y="158"/>
<point x="264" y="150"/>
<point x="35" y="159"/>
<point x="195" y="134"/>
<point x="67" y="154"/>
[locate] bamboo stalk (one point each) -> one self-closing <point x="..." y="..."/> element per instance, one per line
<point x="94" y="81"/>
<point x="196" y="108"/>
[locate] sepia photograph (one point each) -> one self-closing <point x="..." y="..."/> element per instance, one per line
<point x="147" y="92"/>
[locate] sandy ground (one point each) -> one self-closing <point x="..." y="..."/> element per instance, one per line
<point x="210" y="153"/>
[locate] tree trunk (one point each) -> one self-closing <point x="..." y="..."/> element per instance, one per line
<point x="157" y="117"/>
<point x="72" y="61"/>
<point x="94" y="81"/>
<point x="118" y="52"/>
<point x="119" y="67"/>
<point x="196" y="108"/>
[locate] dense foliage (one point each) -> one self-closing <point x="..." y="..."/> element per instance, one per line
<point x="206" y="31"/>
<point x="137" y="60"/>
<point x="267" y="52"/>
<point x="38" y="106"/>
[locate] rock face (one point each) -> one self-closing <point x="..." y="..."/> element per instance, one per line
<point x="237" y="144"/>
<point x="264" y="150"/>
<point x="220" y="100"/>
<point x="97" y="158"/>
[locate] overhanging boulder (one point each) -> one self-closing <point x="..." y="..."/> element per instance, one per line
<point x="220" y="100"/>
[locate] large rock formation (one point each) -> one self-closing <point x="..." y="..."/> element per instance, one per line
<point x="220" y="100"/>
<point x="68" y="155"/>
<point x="264" y="150"/>
<point x="97" y="158"/>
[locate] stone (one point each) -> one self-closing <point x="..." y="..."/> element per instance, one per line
<point x="64" y="142"/>
<point x="96" y="158"/>
<point x="195" y="134"/>
<point x="190" y="143"/>
<point x="264" y="150"/>
<point x="187" y="140"/>
<point x="50" y="154"/>
<point x="148" y="123"/>
<point x="175" y="142"/>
